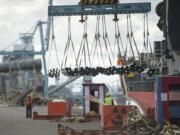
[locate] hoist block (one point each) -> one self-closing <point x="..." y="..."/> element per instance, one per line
<point x="95" y="2"/>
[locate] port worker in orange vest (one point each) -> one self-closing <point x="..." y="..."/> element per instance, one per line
<point x="120" y="62"/>
<point x="28" y="103"/>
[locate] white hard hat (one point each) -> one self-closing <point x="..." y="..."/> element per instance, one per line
<point x="108" y="94"/>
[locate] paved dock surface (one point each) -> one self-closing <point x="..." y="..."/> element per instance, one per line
<point x="83" y="126"/>
<point x="13" y="122"/>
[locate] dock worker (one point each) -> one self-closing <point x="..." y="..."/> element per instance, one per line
<point x="29" y="103"/>
<point x="108" y="99"/>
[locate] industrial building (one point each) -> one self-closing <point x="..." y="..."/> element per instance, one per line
<point x="21" y="73"/>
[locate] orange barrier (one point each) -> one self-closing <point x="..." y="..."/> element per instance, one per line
<point x="113" y="116"/>
<point x="59" y="109"/>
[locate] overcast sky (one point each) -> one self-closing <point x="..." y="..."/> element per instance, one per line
<point x="18" y="16"/>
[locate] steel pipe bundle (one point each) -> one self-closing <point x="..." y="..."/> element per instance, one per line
<point x="106" y="71"/>
<point x="91" y="71"/>
<point x="55" y="72"/>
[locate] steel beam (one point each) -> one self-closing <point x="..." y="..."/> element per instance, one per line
<point x="59" y="87"/>
<point x="73" y="10"/>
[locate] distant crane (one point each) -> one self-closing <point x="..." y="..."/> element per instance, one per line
<point x="27" y="38"/>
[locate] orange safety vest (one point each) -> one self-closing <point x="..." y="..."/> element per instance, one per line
<point x="29" y="101"/>
<point x="120" y="62"/>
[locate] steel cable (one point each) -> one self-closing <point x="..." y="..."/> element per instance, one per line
<point x="84" y="47"/>
<point x="133" y="38"/>
<point x="53" y="44"/>
<point x="129" y="37"/>
<point x="97" y="42"/>
<point x="147" y="44"/>
<point x="148" y="39"/>
<point x="119" y="36"/>
<point x="106" y="39"/>
<point x="144" y="43"/>
<point x="119" y="41"/>
<point x="67" y="47"/>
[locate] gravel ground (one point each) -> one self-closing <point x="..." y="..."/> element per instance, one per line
<point x="13" y="122"/>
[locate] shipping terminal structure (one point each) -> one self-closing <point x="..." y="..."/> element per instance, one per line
<point x="150" y="80"/>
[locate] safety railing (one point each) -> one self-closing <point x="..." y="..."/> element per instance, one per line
<point x="141" y="86"/>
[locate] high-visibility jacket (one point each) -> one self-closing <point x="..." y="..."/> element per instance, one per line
<point x="28" y="101"/>
<point x="131" y="75"/>
<point x="108" y="101"/>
